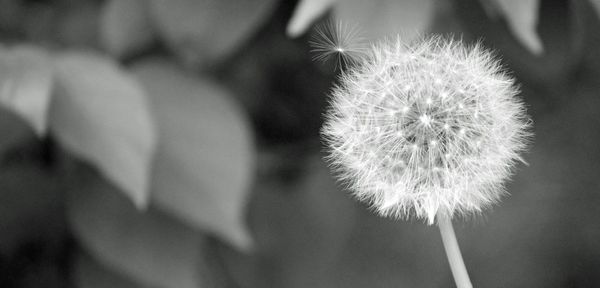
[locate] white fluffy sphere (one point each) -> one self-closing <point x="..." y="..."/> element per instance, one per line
<point x="429" y="128"/>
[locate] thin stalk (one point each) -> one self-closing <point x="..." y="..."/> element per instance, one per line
<point x="457" y="265"/>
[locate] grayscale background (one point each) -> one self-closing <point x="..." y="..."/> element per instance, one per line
<point x="224" y="134"/>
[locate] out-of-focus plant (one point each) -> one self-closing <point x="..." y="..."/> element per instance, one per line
<point x="200" y="33"/>
<point x="176" y="144"/>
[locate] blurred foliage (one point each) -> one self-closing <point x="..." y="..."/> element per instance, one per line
<point x="100" y="113"/>
<point x="148" y="247"/>
<point x="203" y="139"/>
<point x="27" y="84"/>
<point x="206" y="115"/>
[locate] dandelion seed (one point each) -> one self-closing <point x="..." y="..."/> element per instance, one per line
<point x="338" y="41"/>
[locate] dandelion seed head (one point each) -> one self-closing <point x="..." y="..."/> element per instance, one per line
<point x="425" y="128"/>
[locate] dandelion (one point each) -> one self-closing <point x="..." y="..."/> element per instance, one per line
<point x="427" y="130"/>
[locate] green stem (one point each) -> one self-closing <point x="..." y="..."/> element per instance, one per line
<point x="457" y="265"/>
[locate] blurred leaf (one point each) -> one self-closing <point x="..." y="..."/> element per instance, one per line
<point x="205" y="157"/>
<point x="100" y="113"/>
<point x="149" y="247"/>
<point x="25" y="84"/>
<point x="387" y="18"/>
<point x="305" y="14"/>
<point x="125" y="26"/>
<point x="522" y="18"/>
<point x="376" y="19"/>
<point x="596" y="5"/>
<point x="561" y="26"/>
<point x="90" y="274"/>
<point x="204" y="32"/>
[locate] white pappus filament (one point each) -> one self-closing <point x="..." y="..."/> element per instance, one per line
<point x="338" y="41"/>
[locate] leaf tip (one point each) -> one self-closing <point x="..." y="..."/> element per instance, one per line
<point x="141" y="203"/>
<point x="305" y="13"/>
<point x="242" y="240"/>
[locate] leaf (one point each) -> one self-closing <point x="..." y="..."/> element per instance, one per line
<point x="522" y="18"/>
<point x="125" y="26"/>
<point x="87" y="273"/>
<point x="205" y="157"/>
<point x="150" y="248"/>
<point x="204" y="32"/>
<point x="100" y="113"/>
<point x="596" y="5"/>
<point x="387" y="18"/>
<point x="25" y="84"/>
<point x="376" y="19"/>
<point x="306" y="12"/>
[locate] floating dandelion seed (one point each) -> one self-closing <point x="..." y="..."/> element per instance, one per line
<point x="338" y="41"/>
<point x="430" y="130"/>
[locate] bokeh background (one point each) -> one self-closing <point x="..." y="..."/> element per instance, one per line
<point x="175" y="144"/>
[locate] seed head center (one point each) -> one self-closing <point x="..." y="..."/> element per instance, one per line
<point x="425" y="119"/>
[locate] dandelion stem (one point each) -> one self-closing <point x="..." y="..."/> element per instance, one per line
<point x="457" y="265"/>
